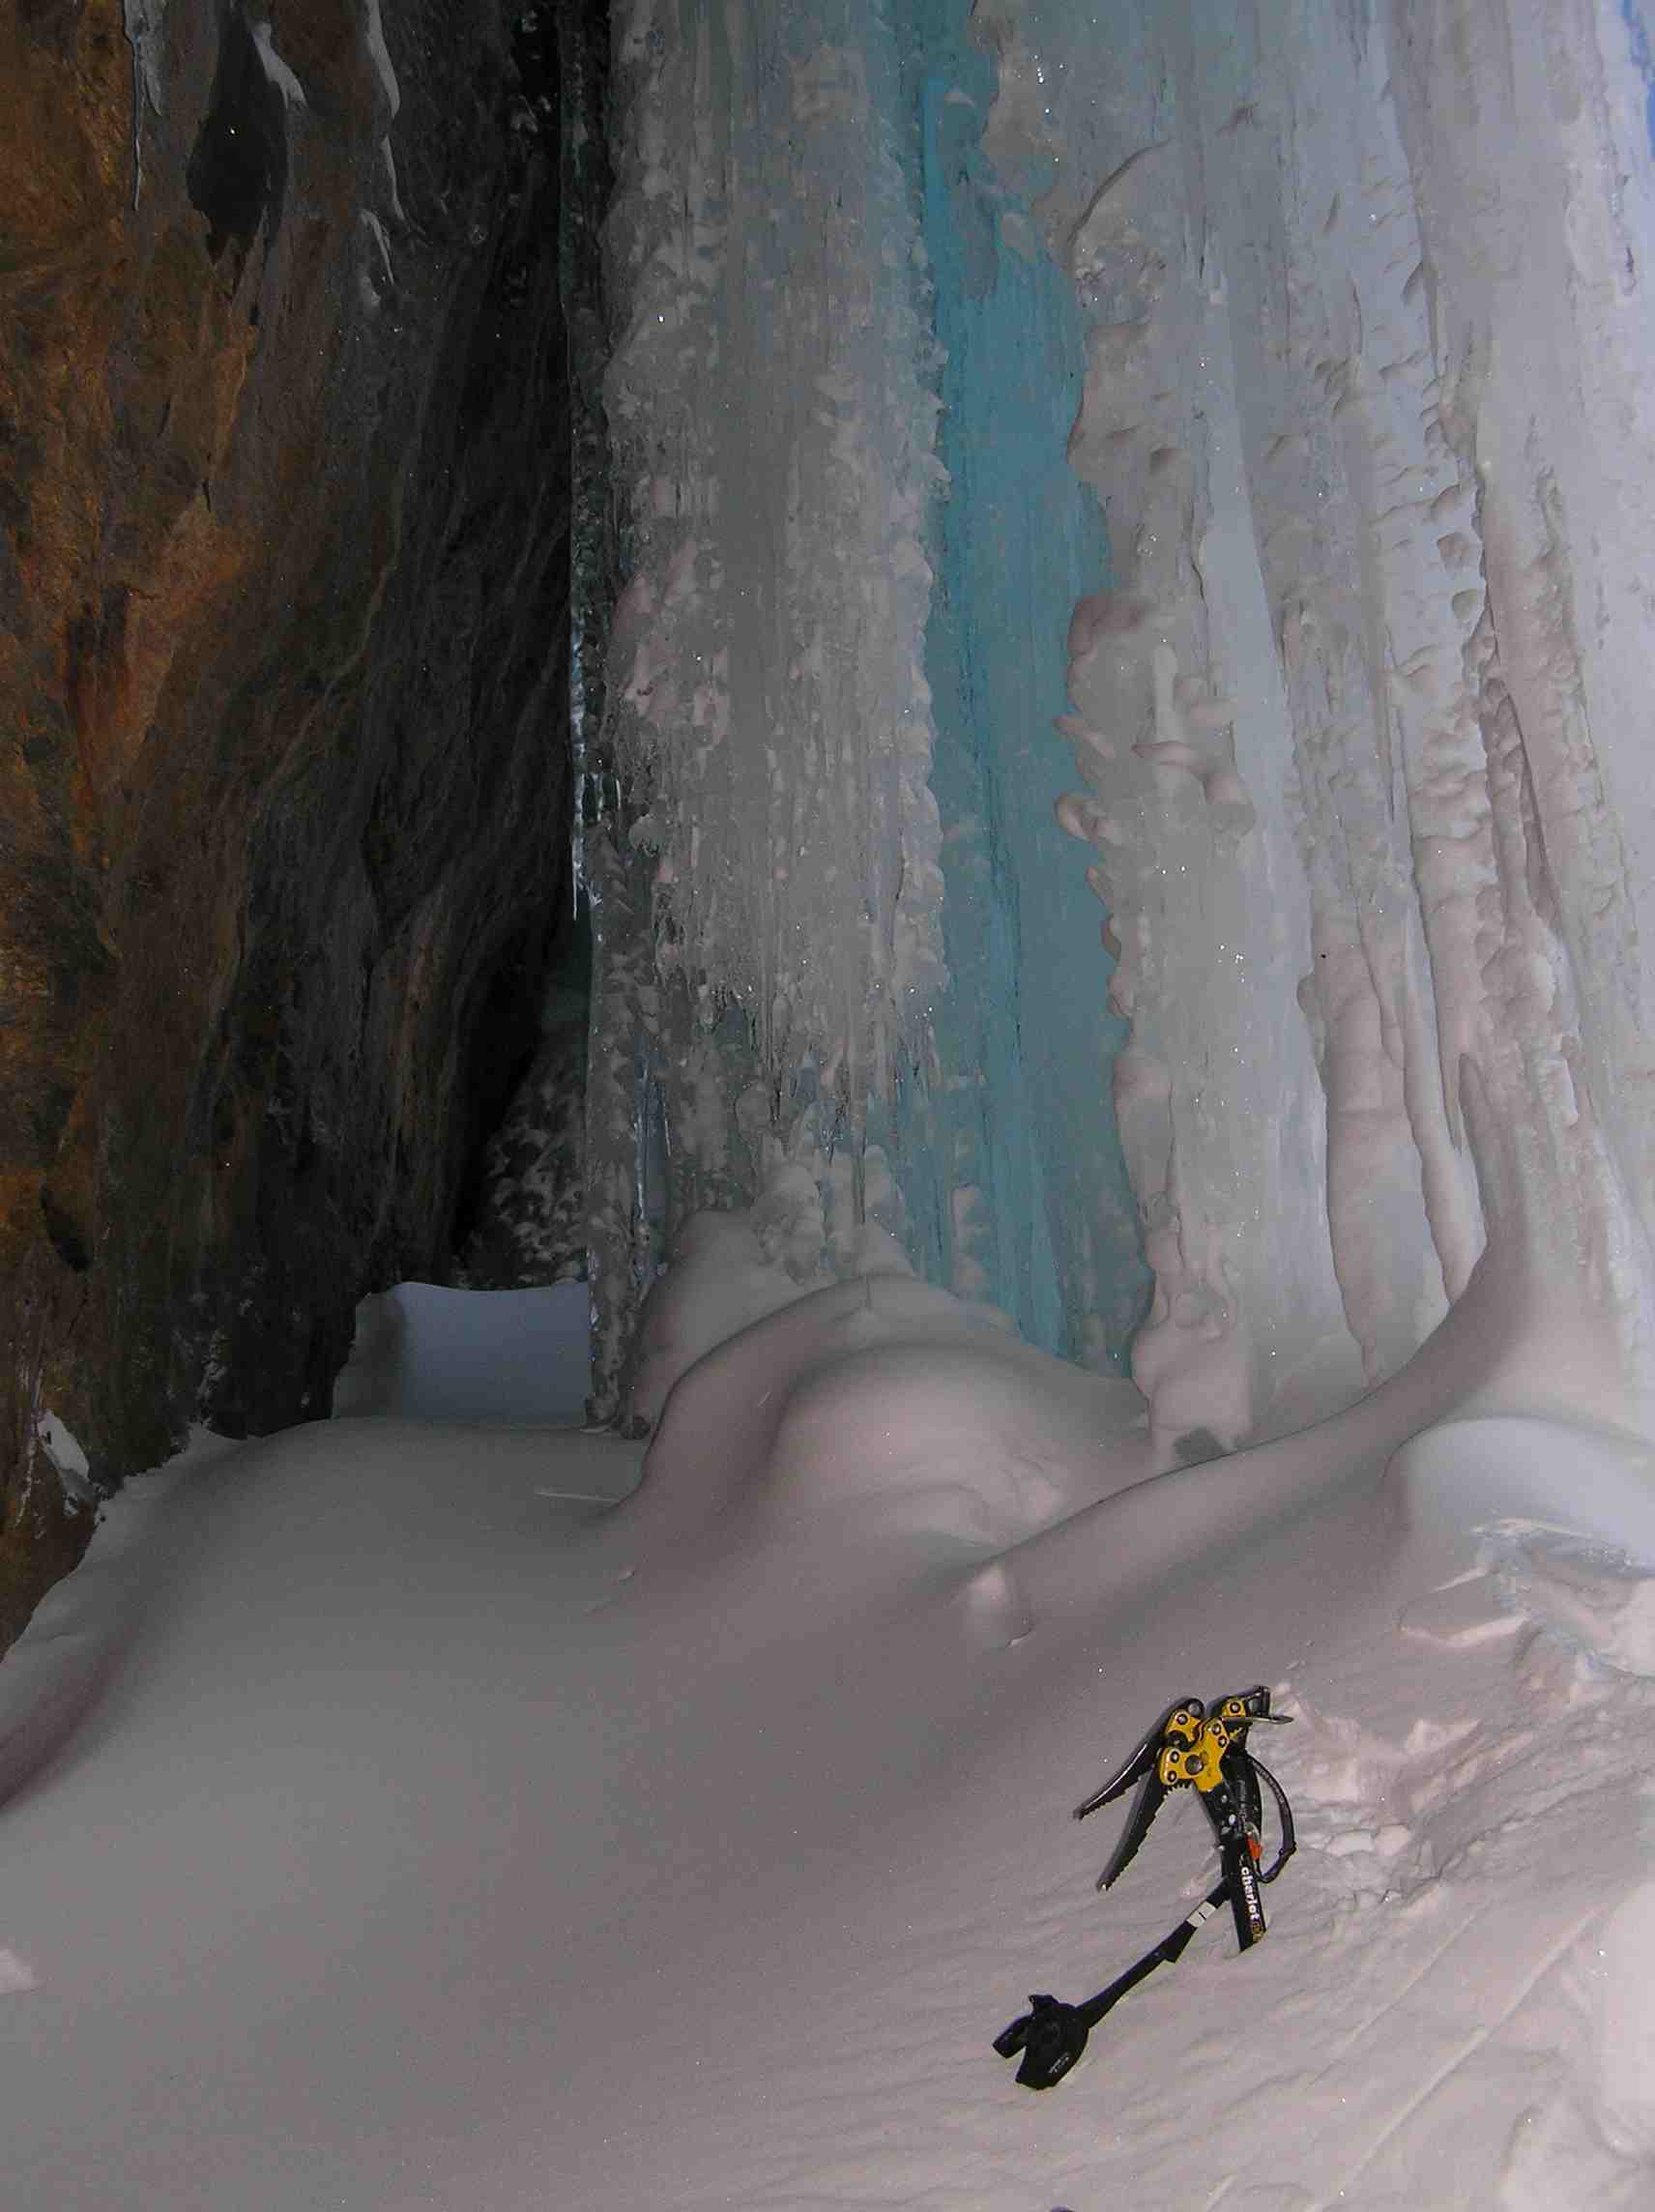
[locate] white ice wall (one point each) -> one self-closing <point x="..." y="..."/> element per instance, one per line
<point x="772" y="438"/>
<point x="1362" y="749"/>
<point x="766" y="884"/>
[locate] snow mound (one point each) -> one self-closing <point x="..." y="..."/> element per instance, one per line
<point x="884" y="1402"/>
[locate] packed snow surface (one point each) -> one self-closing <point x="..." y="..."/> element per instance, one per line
<point x="450" y="1822"/>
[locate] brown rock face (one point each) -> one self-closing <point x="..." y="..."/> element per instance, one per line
<point x="284" y="786"/>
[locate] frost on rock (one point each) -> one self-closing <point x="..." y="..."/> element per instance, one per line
<point x="379" y="53"/>
<point x="275" y="69"/>
<point x="143" y="21"/>
<point x="68" y="1456"/>
<point x="531" y="1225"/>
<point x="773" y="445"/>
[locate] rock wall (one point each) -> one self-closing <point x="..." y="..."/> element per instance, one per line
<point x="283" y="591"/>
<point x="525" y="1226"/>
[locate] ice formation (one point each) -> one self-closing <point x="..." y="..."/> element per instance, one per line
<point x="1352" y="696"/>
<point x="1338" y="716"/>
<point x="772" y="437"/>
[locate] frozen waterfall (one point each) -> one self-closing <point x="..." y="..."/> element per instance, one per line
<point x="1103" y="368"/>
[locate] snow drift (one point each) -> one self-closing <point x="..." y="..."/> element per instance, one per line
<point x="444" y="1835"/>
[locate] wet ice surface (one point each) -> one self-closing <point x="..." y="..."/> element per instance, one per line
<point x="439" y="1835"/>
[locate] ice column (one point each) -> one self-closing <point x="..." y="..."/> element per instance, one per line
<point x="772" y="432"/>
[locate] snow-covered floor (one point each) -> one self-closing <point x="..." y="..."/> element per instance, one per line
<point x="435" y="1833"/>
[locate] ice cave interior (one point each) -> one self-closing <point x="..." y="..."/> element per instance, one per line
<point x="1087" y="1140"/>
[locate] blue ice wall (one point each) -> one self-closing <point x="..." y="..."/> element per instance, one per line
<point x="1021" y="1111"/>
